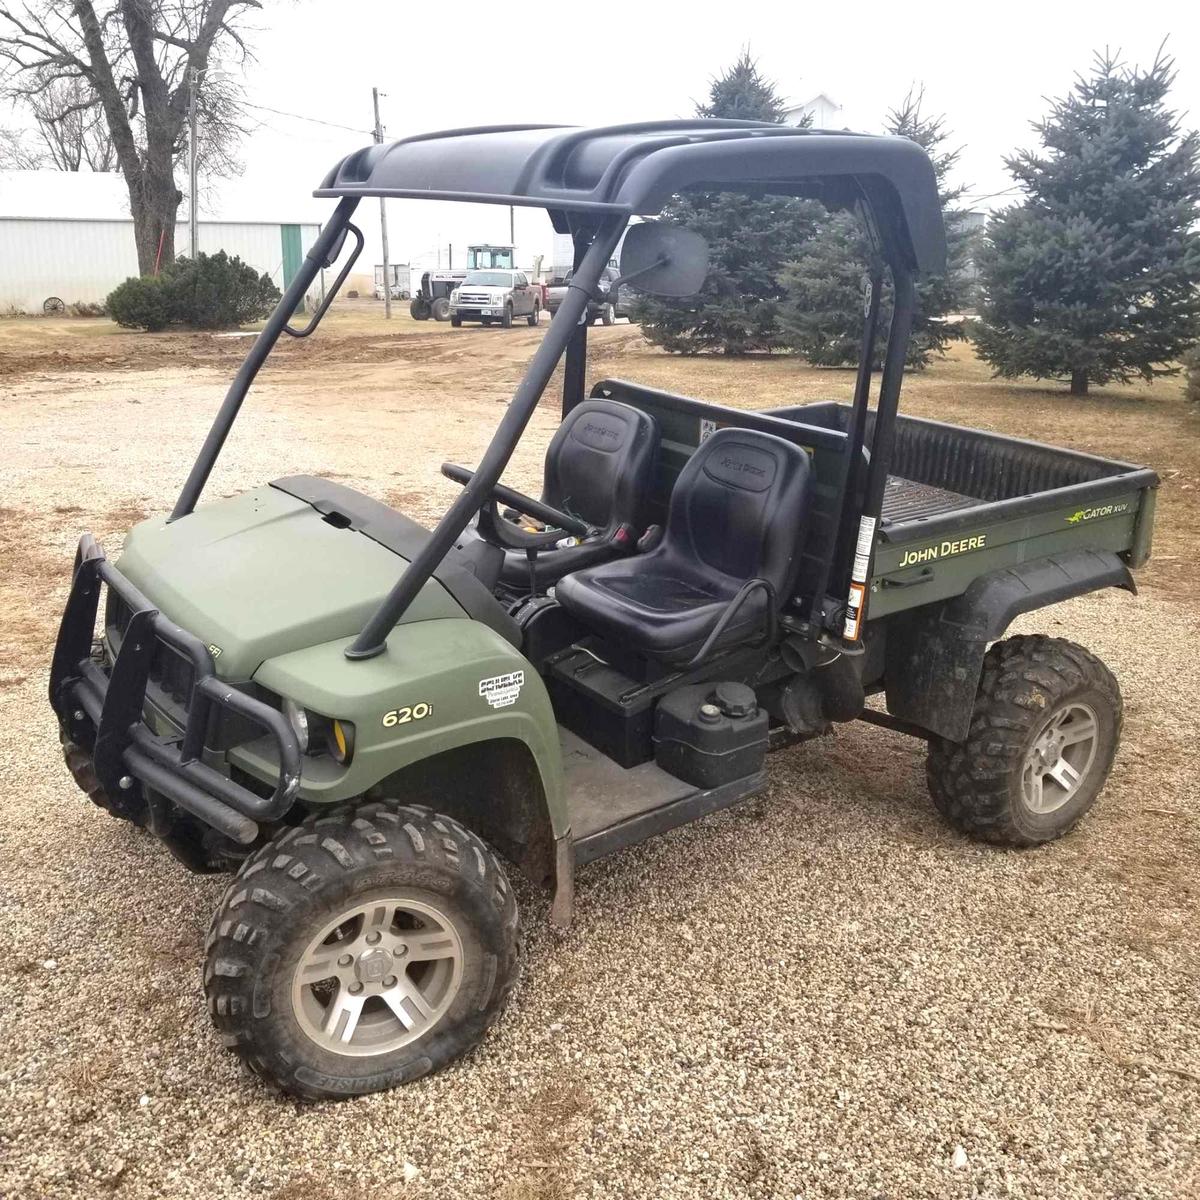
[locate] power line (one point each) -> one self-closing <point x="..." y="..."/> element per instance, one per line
<point x="312" y="120"/>
<point x="990" y="195"/>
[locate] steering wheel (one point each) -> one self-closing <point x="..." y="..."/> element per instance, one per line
<point x="509" y="536"/>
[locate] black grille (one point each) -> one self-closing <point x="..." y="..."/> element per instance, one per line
<point x="169" y="670"/>
<point x="170" y="686"/>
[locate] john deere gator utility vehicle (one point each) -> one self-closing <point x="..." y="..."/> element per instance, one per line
<point x="361" y="717"/>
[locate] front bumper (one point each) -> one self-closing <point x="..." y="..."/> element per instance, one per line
<point x="101" y="713"/>
<point x="474" y="311"/>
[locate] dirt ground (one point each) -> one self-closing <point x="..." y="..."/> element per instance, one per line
<point x="823" y="993"/>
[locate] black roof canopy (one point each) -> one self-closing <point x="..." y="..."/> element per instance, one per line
<point x="635" y="169"/>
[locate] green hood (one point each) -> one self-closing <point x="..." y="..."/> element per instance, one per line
<point x="263" y="574"/>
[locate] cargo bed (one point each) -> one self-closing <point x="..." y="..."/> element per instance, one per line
<point x="958" y="503"/>
<point x="908" y="500"/>
<point x="962" y="502"/>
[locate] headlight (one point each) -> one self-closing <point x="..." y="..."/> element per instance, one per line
<point x="298" y="719"/>
<point x="339" y="739"/>
<point x="320" y="735"/>
<point x="454" y="297"/>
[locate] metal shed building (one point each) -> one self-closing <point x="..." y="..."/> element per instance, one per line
<point x="69" y="235"/>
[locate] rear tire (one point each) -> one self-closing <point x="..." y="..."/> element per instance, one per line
<point x="440" y="309"/>
<point x="607" y="314"/>
<point x="362" y="949"/>
<point x="1043" y="735"/>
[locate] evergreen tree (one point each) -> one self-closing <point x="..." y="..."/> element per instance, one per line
<point x="750" y="238"/>
<point x="822" y="315"/>
<point x="1094" y="275"/>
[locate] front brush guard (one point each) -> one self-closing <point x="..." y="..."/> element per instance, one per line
<point x="102" y="712"/>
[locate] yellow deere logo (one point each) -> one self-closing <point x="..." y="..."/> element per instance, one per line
<point x="1103" y="510"/>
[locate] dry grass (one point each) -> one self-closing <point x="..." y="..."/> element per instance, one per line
<point x="33" y="578"/>
<point x="1087" y="1020"/>
<point x="550" y="1121"/>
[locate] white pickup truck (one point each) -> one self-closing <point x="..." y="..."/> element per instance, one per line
<point x="488" y="296"/>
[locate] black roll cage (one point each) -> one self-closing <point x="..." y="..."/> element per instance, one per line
<point x="596" y="227"/>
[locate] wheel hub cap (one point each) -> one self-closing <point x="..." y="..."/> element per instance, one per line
<point x="377" y="976"/>
<point x="373" y="966"/>
<point x="1059" y="758"/>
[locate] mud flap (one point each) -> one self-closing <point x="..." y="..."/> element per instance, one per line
<point x="935" y="654"/>
<point x="562" y="908"/>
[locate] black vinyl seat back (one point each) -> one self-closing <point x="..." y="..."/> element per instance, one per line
<point x="600" y="467"/>
<point x="730" y="505"/>
<point x="600" y="463"/>
<point x="737" y="512"/>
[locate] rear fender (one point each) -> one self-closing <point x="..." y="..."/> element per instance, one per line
<point x="935" y="654"/>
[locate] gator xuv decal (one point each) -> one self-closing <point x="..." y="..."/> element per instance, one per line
<point x="1102" y="510"/>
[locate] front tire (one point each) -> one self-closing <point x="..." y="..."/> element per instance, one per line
<point x="1043" y="735"/>
<point x="361" y="950"/>
<point x="456" y="320"/>
<point x="506" y="319"/>
<point x="535" y="316"/>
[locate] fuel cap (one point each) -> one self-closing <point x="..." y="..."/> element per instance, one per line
<point x="735" y="699"/>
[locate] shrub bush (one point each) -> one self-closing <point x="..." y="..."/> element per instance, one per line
<point x="214" y="291"/>
<point x="86" y="308"/>
<point x="141" y="303"/>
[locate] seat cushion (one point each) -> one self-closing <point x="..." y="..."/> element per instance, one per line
<point x="552" y="565"/>
<point x="645" y="604"/>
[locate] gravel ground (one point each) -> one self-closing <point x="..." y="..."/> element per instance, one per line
<point x="822" y="993"/>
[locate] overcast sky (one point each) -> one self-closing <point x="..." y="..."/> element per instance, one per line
<point x="988" y="67"/>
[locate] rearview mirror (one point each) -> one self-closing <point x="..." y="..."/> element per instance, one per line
<point x="664" y="260"/>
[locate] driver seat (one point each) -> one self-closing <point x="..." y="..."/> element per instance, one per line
<point x="599" y="467"/>
<point x="737" y="514"/>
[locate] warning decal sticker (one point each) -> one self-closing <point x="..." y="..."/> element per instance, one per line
<point x="502" y="690"/>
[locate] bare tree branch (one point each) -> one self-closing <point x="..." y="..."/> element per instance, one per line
<point x="113" y="87"/>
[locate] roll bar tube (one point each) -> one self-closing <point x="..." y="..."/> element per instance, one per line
<point x="373" y="638"/>
<point x="575" y="365"/>
<point x="850" y="466"/>
<point x="323" y="251"/>
<point x="904" y="306"/>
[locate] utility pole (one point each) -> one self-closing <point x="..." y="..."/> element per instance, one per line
<point x="512" y="229"/>
<point x="193" y="220"/>
<point x="387" y="269"/>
